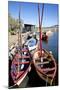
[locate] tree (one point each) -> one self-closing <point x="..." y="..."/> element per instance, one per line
<point x="14" y="24"/>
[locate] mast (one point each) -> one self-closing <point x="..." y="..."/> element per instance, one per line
<point x="42" y="14"/>
<point x="19" y="42"/>
<point x="20" y="30"/>
<point x="40" y="25"/>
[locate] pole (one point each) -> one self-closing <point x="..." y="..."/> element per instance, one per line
<point x="39" y="29"/>
<point x="19" y="42"/>
<point x="40" y="25"/>
<point x="42" y="14"/>
<point x="20" y="38"/>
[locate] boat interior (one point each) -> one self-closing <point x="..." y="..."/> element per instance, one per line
<point x="20" y="64"/>
<point x="46" y="64"/>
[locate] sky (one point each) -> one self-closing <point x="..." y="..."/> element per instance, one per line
<point x="29" y="12"/>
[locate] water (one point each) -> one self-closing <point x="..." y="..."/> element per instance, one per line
<point x="52" y="44"/>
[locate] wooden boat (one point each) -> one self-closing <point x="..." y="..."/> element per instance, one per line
<point x="43" y="60"/>
<point x="44" y="37"/>
<point x="45" y="65"/>
<point x="20" y="64"/>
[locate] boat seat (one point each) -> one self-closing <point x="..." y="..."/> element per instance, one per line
<point x="48" y="69"/>
<point x="22" y="57"/>
<point x="50" y="75"/>
<point x="42" y="63"/>
<point x="26" y="62"/>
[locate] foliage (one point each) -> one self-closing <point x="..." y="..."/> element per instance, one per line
<point x="12" y="23"/>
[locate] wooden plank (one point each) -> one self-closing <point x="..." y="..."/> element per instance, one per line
<point x="27" y="62"/>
